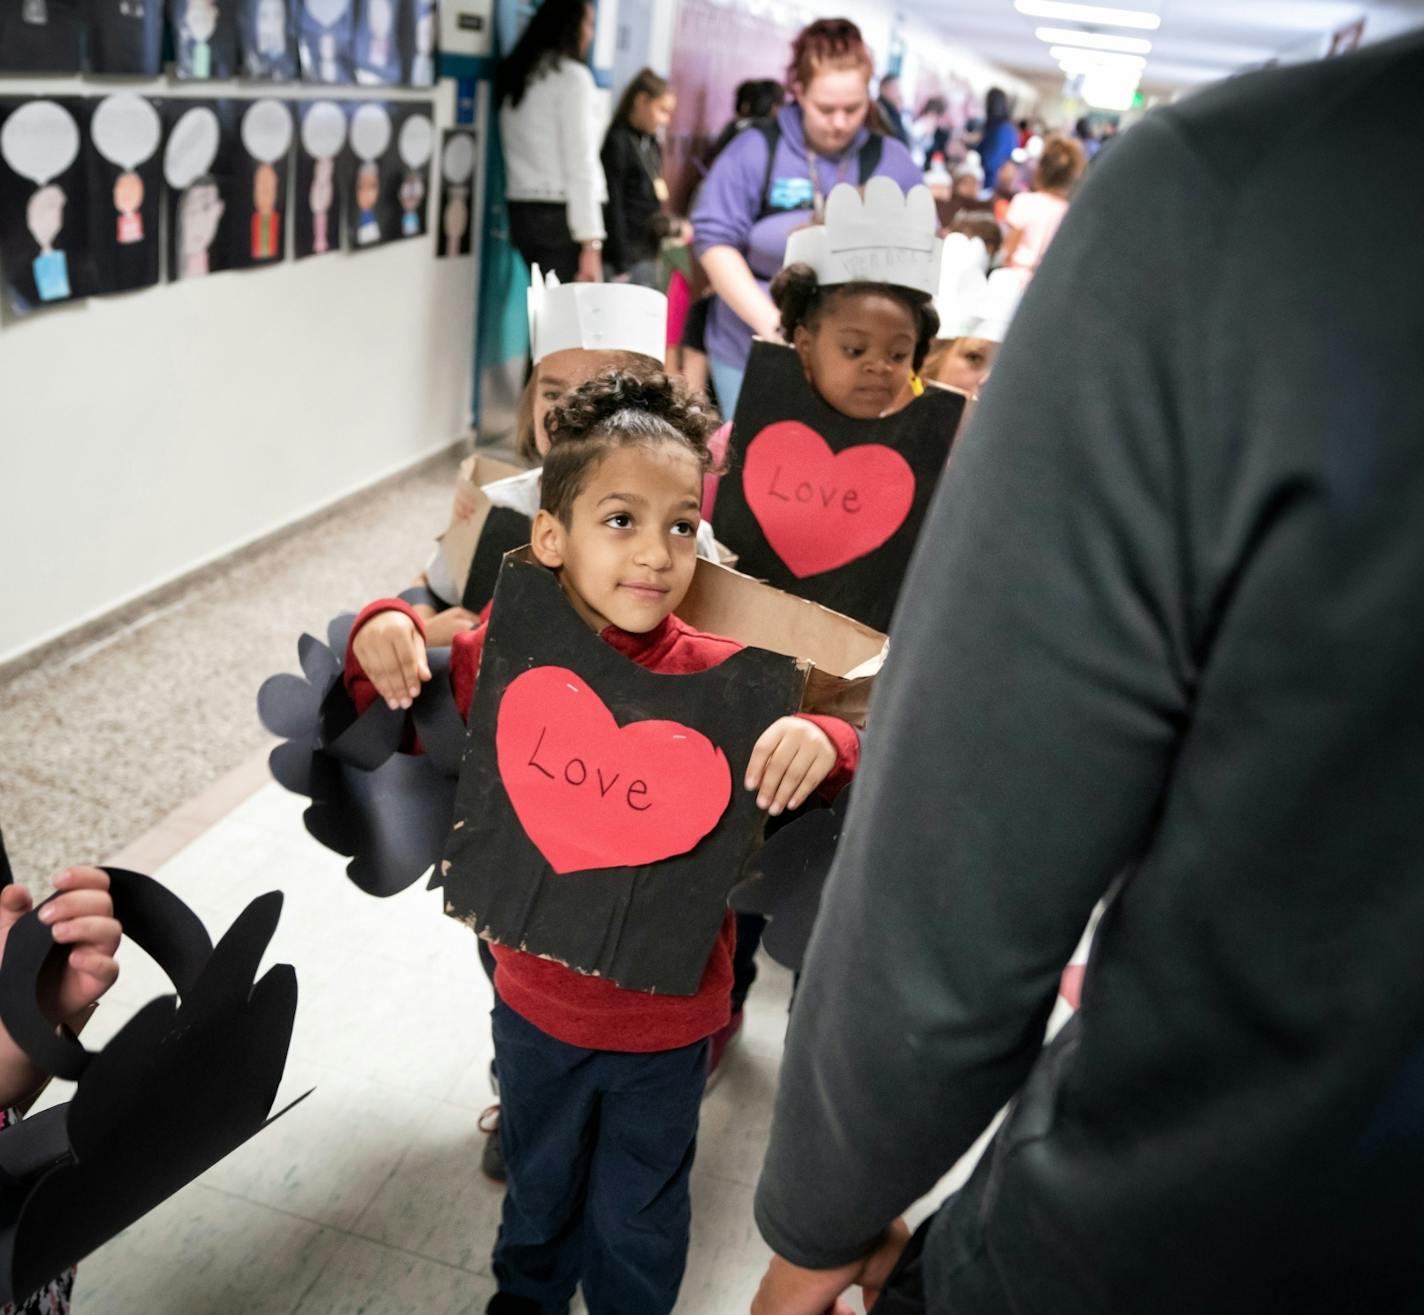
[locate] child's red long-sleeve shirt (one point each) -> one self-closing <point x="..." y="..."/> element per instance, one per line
<point x="573" y="1007"/>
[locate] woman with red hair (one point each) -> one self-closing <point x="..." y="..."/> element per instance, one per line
<point x="774" y="177"/>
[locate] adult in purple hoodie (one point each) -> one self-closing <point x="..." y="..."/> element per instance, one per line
<point x="770" y="181"/>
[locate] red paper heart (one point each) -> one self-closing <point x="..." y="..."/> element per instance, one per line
<point x="821" y="509"/>
<point x="592" y="794"/>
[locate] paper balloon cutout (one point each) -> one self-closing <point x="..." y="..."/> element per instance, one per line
<point x="389" y="812"/>
<point x="327" y="12"/>
<point x="370" y="131"/>
<point x="126" y="129"/>
<point x="593" y="794"/>
<point x="267" y="130"/>
<point x="821" y="509"/>
<point x="323" y="130"/>
<point x="417" y="140"/>
<point x="457" y="162"/>
<point x="40" y="140"/>
<point x="192" y="147"/>
<point x="187" y="1080"/>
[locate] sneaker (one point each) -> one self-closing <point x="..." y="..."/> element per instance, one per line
<point x="492" y="1157"/>
<point x="717" y="1051"/>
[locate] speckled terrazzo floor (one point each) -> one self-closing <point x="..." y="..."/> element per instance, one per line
<point x="108" y="736"/>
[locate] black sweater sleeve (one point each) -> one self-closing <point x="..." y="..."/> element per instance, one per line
<point x="1024" y="728"/>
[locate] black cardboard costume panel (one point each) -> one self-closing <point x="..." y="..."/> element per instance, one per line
<point x="205" y="204"/>
<point x="600" y="818"/>
<point x="204" y="39"/>
<point x="267" y="40"/>
<point x="124" y="37"/>
<point x="45" y="235"/>
<point x="504" y="530"/>
<point x="325" y="34"/>
<point x="126" y="176"/>
<point x="261" y="167"/>
<point x="794" y="864"/>
<point x="389" y="812"/>
<point x="458" y="155"/>
<point x="323" y="179"/>
<point x="822" y="505"/>
<point x="382" y="32"/>
<point x="186" y="1081"/>
<point x="40" y="36"/>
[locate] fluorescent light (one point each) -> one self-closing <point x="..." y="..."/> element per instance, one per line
<point x="1071" y="13"/>
<point x="1070" y="56"/>
<point x="1107" y="93"/>
<point x="1071" y="36"/>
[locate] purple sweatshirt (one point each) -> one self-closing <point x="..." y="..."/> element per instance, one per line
<point x="730" y="200"/>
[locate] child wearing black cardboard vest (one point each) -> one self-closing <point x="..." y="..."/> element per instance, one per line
<point x="589" y="1071"/>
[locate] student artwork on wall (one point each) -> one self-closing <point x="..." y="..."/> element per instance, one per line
<point x="320" y="198"/>
<point x="40" y="36"/>
<point x="126" y="170"/>
<point x="44" y="219"/>
<point x="457" y="175"/>
<point x="599" y="817"/>
<point x="267" y="33"/>
<point x="424" y="19"/>
<point x="204" y="38"/>
<point x="261" y="183"/>
<point x="822" y="505"/>
<point x="124" y="37"/>
<point x="325" y="34"/>
<point x="415" y="140"/>
<point x="371" y="219"/>
<point x="380" y="42"/>
<point x="197" y="167"/>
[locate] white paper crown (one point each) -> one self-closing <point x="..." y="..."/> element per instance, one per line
<point x="595" y="317"/>
<point x="962" y="277"/>
<point x="997" y="306"/>
<point x="887" y="236"/>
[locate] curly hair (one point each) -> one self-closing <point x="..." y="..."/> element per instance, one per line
<point x="620" y="408"/>
<point x="1061" y="164"/>
<point x="802" y="299"/>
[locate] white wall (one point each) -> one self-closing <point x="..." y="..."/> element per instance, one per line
<point x="144" y="435"/>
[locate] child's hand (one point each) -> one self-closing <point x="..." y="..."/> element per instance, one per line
<point x="442" y="627"/>
<point x="392" y="654"/>
<point x="80" y="916"/>
<point x="790" y="760"/>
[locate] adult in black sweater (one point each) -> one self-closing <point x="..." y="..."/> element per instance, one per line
<point x="1164" y="630"/>
<point x="633" y="165"/>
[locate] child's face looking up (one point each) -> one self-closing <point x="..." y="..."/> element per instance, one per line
<point x="627" y="556"/>
<point x="558" y="374"/>
<point x="857" y="353"/>
<point x="967" y="364"/>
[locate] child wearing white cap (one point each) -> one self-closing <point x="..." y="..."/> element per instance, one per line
<point x="975" y="311"/>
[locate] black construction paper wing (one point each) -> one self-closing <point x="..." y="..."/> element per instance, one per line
<point x="388" y="811"/>
<point x="794" y="864"/>
<point x="186" y="1081"/>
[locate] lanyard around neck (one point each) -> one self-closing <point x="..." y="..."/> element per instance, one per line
<point x="818" y="199"/>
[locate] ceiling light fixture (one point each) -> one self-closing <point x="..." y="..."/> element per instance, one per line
<point x="1072" y="36"/>
<point x="1071" y="57"/>
<point x="1073" y="13"/>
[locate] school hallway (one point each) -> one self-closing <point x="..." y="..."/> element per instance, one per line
<point x="368" y="1195"/>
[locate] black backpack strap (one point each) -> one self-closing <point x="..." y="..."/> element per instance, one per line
<point x="870" y="155"/>
<point x="771" y="130"/>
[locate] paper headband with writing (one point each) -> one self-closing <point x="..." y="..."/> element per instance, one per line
<point x="886" y="236"/>
<point x="595" y="317"/>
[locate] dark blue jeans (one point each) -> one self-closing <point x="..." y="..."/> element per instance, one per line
<point x="599" y="1146"/>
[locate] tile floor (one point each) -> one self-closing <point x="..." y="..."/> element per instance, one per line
<point x="367" y="1197"/>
